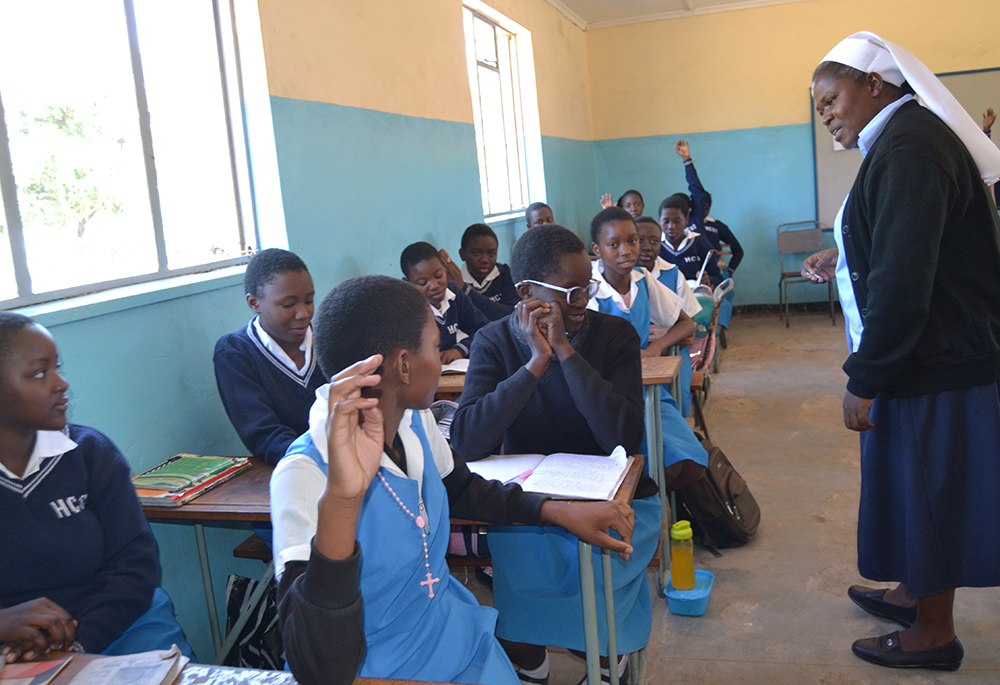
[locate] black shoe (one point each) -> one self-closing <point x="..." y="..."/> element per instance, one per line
<point x="528" y="680"/>
<point x="871" y="600"/>
<point x="606" y="677"/>
<point x="885" y="651"/>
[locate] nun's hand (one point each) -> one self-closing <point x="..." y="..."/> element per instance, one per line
<point x="822" y="266"/>
<point x="856" y="412"/>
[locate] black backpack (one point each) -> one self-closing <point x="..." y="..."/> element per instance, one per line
<point x="720" y="507"/>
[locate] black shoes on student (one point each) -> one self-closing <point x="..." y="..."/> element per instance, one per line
<point x="885" y="651"/>
<point x="871" y="600"/>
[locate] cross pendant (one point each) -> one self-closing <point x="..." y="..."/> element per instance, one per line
<point x="430" y="584"/>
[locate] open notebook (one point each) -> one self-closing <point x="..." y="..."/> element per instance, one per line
<point x="563" y="476"/>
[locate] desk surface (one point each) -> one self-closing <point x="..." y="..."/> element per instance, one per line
<point x="245" y="497"/>
<point x="655" y="371"/>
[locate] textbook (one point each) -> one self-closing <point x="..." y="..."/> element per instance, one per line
<point x="32" y="672"/>
<point x="457" y="366"/>
<point x="182" y="478"/>
<point x="563" y="476"/>
<point x="149" y="668"/>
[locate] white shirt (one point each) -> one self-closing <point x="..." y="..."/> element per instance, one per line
<point x="47" y="444"/>
<point x="298" y="482"/>
<point x="853" y="324"/>
<point x="690" y="300"/>
<point x="480" y="287"/>
<point x="279" y="352"/>
<point x="664" y="305"/>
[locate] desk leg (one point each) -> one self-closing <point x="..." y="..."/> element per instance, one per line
<point x="654" y="444"/>
<point x="255" y="598"/>
<point x="609" y="604"/>
<point x="206" y="579"/>
<point x="589" y="599"/>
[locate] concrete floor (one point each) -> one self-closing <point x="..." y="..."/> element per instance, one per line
<point x="779" y="612"/>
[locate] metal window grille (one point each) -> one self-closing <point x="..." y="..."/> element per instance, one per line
<point x="169" y="254"/>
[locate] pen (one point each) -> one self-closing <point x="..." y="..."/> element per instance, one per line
<point x="519" y="478"/>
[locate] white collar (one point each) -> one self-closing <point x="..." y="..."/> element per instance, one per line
<point x="689" y="238"/>
<point x="47" y="444"/>
<point x="445" y="304"/>
<point x="319" y="413"/>
<point x="280" y="353"/>
<point x="870" y="133"/>
<point x="470" y="279"/>
<point x="605" y="290"/>
<point x="661" y="265"/>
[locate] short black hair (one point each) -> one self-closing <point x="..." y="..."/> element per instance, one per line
<point x="477" y="231"/>
<point x="536" y="254"/>
<point x="534" y="207"/>
<point x="416" y="253"/>
<point x="265" y="265"/>
<point x="367" y="315"/>
<point x="11" y="323"/>
<point x="647" y="220"/>
<point x="677" y="201"/>
<point x="603" y="218"/>
<point x="626" y="194"/>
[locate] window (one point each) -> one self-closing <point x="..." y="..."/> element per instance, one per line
<point x="505" y="110"/>
<point x="124" y="153"/>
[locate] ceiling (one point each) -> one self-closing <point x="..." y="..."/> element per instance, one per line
<point x="595" y="14"/>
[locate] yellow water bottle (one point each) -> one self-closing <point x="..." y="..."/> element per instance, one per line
<point x="682" y="556"/>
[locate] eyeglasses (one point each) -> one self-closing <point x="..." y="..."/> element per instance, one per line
<point x="575" y="296"/>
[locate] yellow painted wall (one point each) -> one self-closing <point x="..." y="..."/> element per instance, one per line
<point x="408" y="57"/>
<point x="751" y="68"/>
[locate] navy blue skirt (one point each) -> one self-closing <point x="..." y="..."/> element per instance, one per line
<point x="930" y="491"/>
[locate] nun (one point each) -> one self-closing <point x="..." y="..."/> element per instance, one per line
<point x="917" y="263"/>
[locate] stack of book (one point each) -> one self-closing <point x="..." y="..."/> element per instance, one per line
<point x="182" y="478"/>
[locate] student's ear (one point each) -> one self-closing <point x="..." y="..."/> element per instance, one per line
<point x="401" y="362"/>
<point x="461" y="254"/>
<point x="593" y="248"/>
<point x="524" y="290"/>
<point x="253" y="303"/>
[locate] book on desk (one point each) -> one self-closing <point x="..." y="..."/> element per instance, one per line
<point x="560" y="475"/>
<point x="183" y="477"/>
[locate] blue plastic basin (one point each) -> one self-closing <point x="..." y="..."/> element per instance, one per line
<point x="691" y="602"/>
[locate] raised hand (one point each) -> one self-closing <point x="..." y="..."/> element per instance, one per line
<point x="590" y="522"/>
<point x="34" y="628"/>
<point x="529" y="315"/>
<point x="607" y="201"/>
<point x="453" y="270"/>
<point x="988" y="118"/>
<point x="683" y="149"/>
<point x="822" y="266"/>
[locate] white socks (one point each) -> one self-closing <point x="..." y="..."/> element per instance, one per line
<point x="537" y="673"/>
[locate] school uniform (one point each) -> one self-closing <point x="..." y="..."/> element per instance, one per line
<point x="266" y="396"/>
<point x="923" y="327"/>
<point x="382" y="613"/>
<point x="497" y="289"/>
<point x="74" y="532"/>
<point x="669" y="275"/>
<point x="587" y="404"/>
<point x="715" y="232"/>
<point x="458" y="319"/>
<point x="651" y="302"/>
<point x="690" y="255"/>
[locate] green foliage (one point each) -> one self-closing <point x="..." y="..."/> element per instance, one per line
<point x="65" y="168"/>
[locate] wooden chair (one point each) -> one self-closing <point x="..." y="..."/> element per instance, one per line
<point x="800" y="238"/>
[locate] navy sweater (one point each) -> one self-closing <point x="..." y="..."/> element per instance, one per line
<point x="74" y="532"/>
<point x="718" y="233"/>
<point x="690" y="259"/>
<point x="501" y="295"/>
<point x="267" y="403"/>
<point x="462" y="315"/>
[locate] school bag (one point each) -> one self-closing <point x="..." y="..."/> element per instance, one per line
<point x="722" y="511"/>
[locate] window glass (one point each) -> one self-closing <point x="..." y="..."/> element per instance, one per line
<point x="8" y="286"/>
<point x="69" y="100"/>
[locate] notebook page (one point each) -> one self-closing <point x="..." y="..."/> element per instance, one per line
<point x="579" y="476"/>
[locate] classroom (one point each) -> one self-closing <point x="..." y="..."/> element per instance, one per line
<point x="375" y="147"/>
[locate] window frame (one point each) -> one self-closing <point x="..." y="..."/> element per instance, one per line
<point x="241" y="163"/>
<point x="523" y="102"/>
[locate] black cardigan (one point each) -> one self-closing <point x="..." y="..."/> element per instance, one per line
<point x="922" y="243"/>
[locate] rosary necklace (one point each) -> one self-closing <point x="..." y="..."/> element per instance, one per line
<point x="421" y="523"/>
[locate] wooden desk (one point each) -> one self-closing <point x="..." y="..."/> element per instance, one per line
<point x="451" y="383"/>
<point x="244" y="498"/>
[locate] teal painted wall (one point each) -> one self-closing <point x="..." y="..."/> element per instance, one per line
<point x="758" y="178"/>
<point x="143" y="375"/>
<point x="571" y="182"/>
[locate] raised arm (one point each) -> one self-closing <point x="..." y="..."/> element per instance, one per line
<point x="698" y="197"/>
